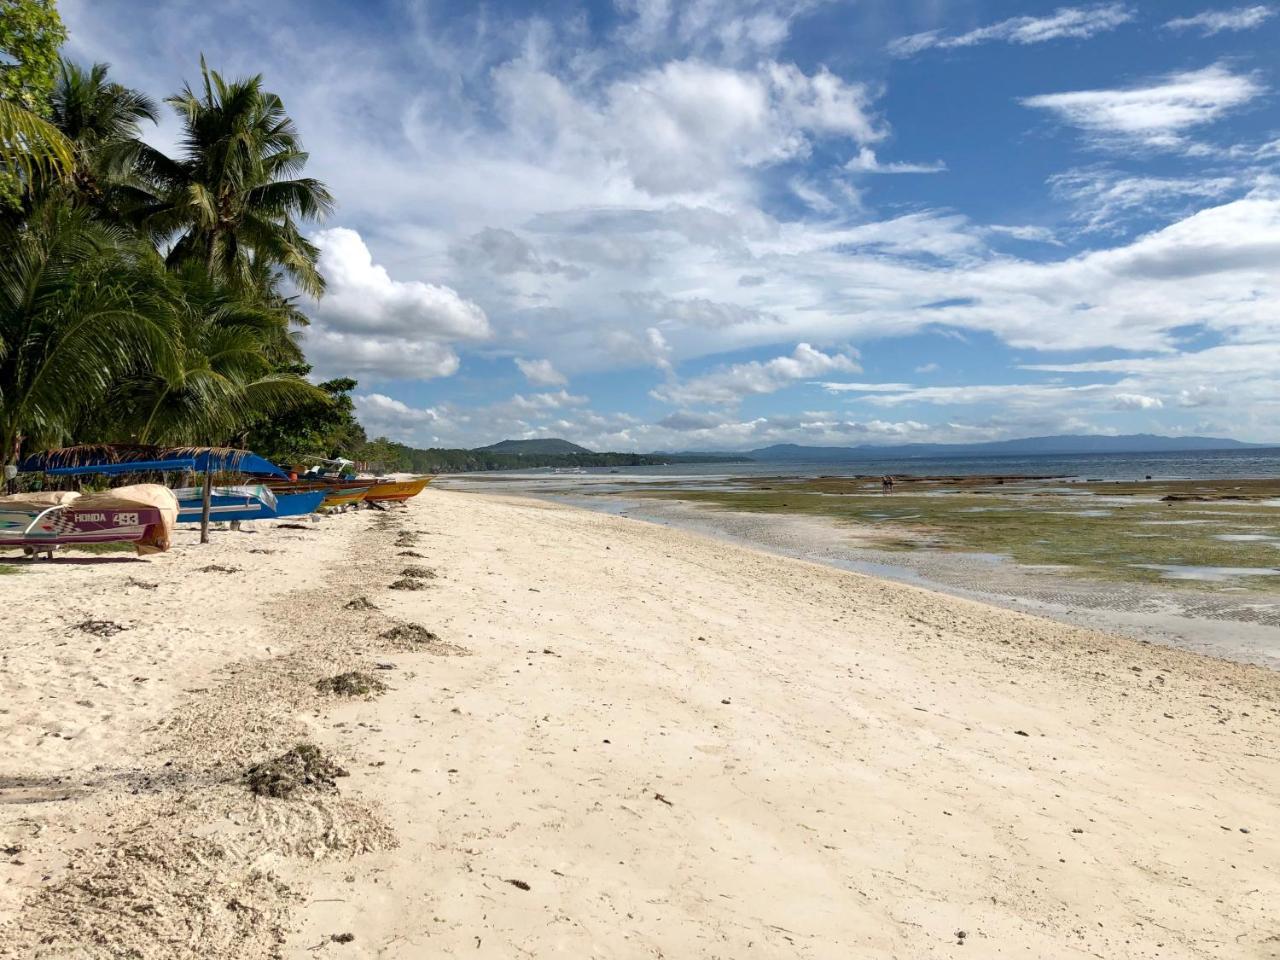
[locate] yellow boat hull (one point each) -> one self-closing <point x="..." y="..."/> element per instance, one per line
<point x="345" y="498"/>
<point x="398" y="490"/>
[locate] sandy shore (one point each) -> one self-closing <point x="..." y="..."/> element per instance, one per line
<point x="619" y="740"/>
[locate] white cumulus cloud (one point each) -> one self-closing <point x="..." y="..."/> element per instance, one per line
<point x="1137" y="401"/>
<point x="541" y="373"/>
<point x="369" y="324"/>
<point x="361" y="297"/>
<point x="730" y="384"/>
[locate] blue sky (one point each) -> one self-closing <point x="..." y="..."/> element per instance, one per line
<point x="650" y="225"/>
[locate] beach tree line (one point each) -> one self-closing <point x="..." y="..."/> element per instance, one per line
<point x="150" y="296"/>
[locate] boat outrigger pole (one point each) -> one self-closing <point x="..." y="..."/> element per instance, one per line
<point x="206" y="501"/>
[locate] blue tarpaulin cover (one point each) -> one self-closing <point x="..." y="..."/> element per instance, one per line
<point x="200" y="461"/>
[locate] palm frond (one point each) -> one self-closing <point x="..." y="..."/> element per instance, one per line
<point x="31" y="145"/>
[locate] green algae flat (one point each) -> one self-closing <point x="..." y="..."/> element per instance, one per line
<point x="1113" y="531"/>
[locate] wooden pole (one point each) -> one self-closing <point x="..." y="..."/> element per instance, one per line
<point x="205" y="501"/>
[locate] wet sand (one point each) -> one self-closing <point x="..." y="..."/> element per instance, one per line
<point x="618" y="740"/>
<point x="1239" y="623"/>
<point x="1243" y="626"/>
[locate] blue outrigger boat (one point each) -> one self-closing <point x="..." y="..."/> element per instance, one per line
<point x="248" y="502"/>
<point x="298" y="504"/>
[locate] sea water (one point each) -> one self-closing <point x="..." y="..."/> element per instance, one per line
<point x="1184" y="465"/>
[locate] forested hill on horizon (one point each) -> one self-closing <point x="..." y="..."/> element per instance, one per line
<point x="386" y="455"/>
<point x="542" y="445"/>
<point x="557" y="452"/>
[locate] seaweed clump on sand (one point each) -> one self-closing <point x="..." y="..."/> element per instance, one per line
<point x="101" y="628"/>
<point x="219" y="568"/>
<point x="419" y="573"/>
<point x="408" y="583"/>
<point x="360" y="603"/>
<point x="410" y="633"/>
<point x="353" y="683"/>
<point x="305" y="766"/>
<point x="413" y="636"/>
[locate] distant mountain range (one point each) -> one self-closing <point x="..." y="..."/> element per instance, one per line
<point x="1029" y="446"/>
<point x="549" y="452"/>
<point x="540" y="447"/>
<point x="1066" y="444"/>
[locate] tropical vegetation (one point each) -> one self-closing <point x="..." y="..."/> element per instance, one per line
<point x="149" y="298"/>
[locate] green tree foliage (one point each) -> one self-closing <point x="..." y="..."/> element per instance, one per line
<point x="386" y="456"/>
<point x="325" y="427"/>
<point x="233" y="200"/>
<point x="103" y="120"/>
<point x="31" y="33"/>
<point x="82" y="305"/>
<point x="438" y="460"/>
<point x="224" y="380"/>
<point x="105" y="338"/>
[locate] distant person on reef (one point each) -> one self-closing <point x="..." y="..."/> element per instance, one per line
<point x="886" y="484"/>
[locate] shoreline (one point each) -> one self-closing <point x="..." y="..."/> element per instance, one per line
<point x="1228" y="627"/>
<point x="679" y="747"/>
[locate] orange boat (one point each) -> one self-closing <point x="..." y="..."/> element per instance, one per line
<point x="397" y="491"/>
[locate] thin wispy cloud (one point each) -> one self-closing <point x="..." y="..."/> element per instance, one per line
<point x="1155" y="114"/>
<point x="1064" y="23"/>
<point x="1104" y="199"/>
<point x="867" y="162"/>
<point x="841" y="387"/>
<point x="1026" y="233"/>
<point x="1218" y="21"/>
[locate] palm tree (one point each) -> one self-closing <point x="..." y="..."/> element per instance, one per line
<point x="225" y="381"/>
<point x="82" y="304"/>
<point x="102" y="119"/>
<point x="233" y="201"/>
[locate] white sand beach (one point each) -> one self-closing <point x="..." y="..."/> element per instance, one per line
<point x="616" y="740"/>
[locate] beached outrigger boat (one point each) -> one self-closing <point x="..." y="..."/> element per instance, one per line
<point x="346" y="489"/>
<point x="248" y="502"/>
<point x="397" y="491"/>
<point x="331" y="491"/>
<point x="347" y="493"/>
<point x="45" y="521"/>
<point x="341" y="487"/>
<point x="298" y="504"/>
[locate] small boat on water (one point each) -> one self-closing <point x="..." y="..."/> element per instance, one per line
<point x="42" y="522"/>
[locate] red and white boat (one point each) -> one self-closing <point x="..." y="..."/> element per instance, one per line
<point x="42" y="522"/>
